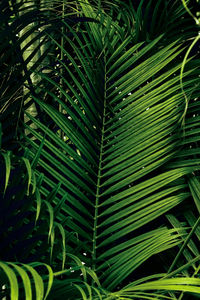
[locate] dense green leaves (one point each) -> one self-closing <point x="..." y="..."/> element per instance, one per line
<point x="138" y="134"/>
<point x="107" y="162"/>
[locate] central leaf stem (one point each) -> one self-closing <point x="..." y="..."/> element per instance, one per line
<point x="99" y="180"/>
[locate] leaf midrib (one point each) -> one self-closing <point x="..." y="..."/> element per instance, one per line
<point x="97" y="196"/>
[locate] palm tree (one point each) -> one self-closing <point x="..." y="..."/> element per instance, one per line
<point x="112" y="161"/>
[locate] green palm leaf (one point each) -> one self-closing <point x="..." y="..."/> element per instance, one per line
<point x="121" y="131"/>
<point x="107" y="156"/>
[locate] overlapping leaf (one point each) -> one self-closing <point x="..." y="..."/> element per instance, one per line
<point x="121" y="106"/>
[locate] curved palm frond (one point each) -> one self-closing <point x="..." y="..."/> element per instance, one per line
<point x="108" y="137"/>
<point x="121" y="106"/>
<point x="13" y="271"/>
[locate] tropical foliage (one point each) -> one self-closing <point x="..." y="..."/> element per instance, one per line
<point x="100" y="192"/>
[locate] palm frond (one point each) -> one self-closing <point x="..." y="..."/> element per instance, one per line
<point x="121" y="131"/>
<point x="106" y="157"/>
